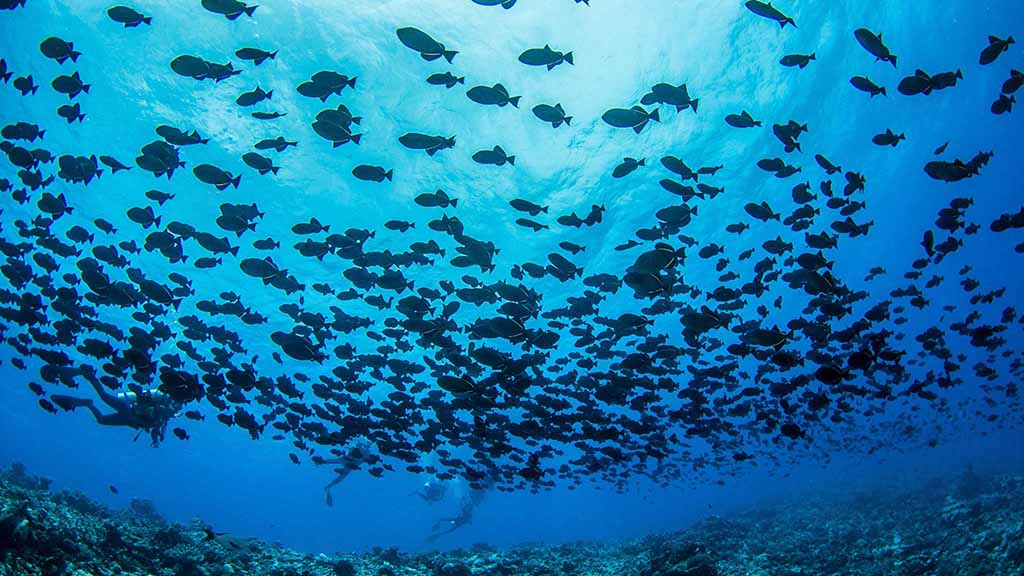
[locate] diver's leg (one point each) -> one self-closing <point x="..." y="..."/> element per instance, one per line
<point x="69" y="403"/>
<point x="342" y="474"/>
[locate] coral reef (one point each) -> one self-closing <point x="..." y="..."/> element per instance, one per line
<point x="970" y="526"/>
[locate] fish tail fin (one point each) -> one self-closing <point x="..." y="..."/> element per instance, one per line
<point x="461" y="80"/>
<point x="449" y="55"/>
<point x="234" y="250"/>
<point x="389" y="174"/>
<point x="74" y="55"/>
<point x="351" y="82"/>
<point x="270" y="94"/>
<point x="7" y="76"/>
<point x="274" y="169"/>
<point x="512" y="160"/>
<point x="892" y="60"/>
<point x="236" y="180"/>
<point x="249" y="10"/>
<point x="514" y="101"/>
<point x="694" y="103"/>
<point x="85" y="88"/>
<point x="642" y="162"/>
<point x="356" y="138"/>
<point x="882" y="91"/>
<point x="156" y="221"/>
<point x="272" y="55"/>
<point x="655" y="115"/>
<point x="568" y="58"/>
<point x="357" y="119"/>
<point x="147" y="20"/>
<point x="782" y="24"/>
<point x="454" y="202"/>
<point x="81" y="117"/>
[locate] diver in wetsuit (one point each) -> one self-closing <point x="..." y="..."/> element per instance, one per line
<point x="148" y="411"/>
<point x="469" y="503"/>
<point x="355" y="457"/>
<point x="431" y="491"/>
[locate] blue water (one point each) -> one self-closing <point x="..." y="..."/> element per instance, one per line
<point x="727" y="56"/>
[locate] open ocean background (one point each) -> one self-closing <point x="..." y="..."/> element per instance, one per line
<point x="728" y="58"/>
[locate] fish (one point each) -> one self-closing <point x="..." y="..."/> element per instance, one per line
<point x="742" y="120"/>
<point x="253" y="97"/>
<point x="996" y="46"/>
<point x="260" y="163"/>
<point x="888" y="138"/>
<point x="230" y="9"/>
<point x="128" y="16"/>
<point x="279" y="144"/>
<point x="268" y="115"/>
<point x="71" y="113"/>
<point x="446" y="79"/>
<point x="25" y="85"/>
<point x="635" y="118"/>
<point x="678" y="96"/>
<point x="799" y="60"/>
<point x="428" y="48"/>
<point x="506" y="4"/>
<point x="495" y="156"/>
<point x="1003" y="104"/>
<point x="864" y="84"/>
<point x="627" y="167"/>
<point x="59" y="50"/>
<point x="766" y="10"/>
<point x="71" y="86"/>
<point x="874" y="45"/>
<point x="555" y="115"/>
<point x="372" y="173"/>
<point x="429" y="144"/>
<point x="1012" y="84"/>
<point x="438" y="199"/>
<point x="495" y="95"/>
<point x="220" y="179"/>
<point x="545" y="56"/>
<point x="257" y="55"/>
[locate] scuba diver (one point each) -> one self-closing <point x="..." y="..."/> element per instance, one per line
<point x="356" y="456"/>
<point x="470" y="501"/>
<point x="431" y="492"/>
<point x="146" y="411"/>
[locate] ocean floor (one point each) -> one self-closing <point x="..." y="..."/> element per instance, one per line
<point x="968" y="526"/>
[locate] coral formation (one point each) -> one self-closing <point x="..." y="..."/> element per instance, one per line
<point x="971" y="526"/>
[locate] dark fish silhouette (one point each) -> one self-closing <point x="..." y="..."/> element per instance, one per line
<point x="495" y="95"/>
<point x="635" y="118"/>
<point x="545" y="56"/>
<point x="446" y="79"/>
<point x="766" y="10"/>
<point x="231" y="9"/>
<point x="873" y="44"/>
<point x="429" y="144"/>
<point x="128" y="16"/>
<point x="428" y="48"/>
<point x="996" y="46"/>
<point x="256" y="55"/>
<point x="59" y="50"/>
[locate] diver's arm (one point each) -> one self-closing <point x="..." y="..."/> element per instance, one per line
<point x="109" y="399"/>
